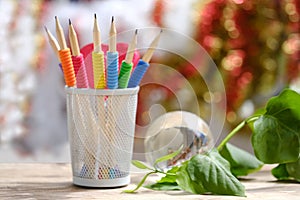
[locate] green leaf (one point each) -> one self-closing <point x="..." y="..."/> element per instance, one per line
<point x="167" y="182"/>
<point x="215" y="156"/>
<point x="276" y="134"/>
<point x="140" y="164"/>
<point x="293" y="169"/>
<point x="168" y="157"/>
<point x="280" y="172"/>
<point x="211" y="174"/>
<point x="257" y="113"/>
<point x="170" y="176"/>
<point x="241" y="162"/>
<point x="274" y="142"/>
<point x="287" y="171"/>
<point x="186" y="183"/>
<point x="163" y="186"/>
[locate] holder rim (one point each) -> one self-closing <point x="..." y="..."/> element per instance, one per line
<point x="109" y="92"/>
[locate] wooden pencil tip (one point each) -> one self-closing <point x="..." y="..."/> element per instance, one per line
<point x="45" y="28"/>
<point x="112" y="19"/>
<point x="136" y="31"/>
<point x="70" y="23"/>
<point x="95" y="15"/>
<point x="55" y="17"/>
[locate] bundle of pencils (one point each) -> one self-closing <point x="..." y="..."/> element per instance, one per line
<point x="105" y="77"/>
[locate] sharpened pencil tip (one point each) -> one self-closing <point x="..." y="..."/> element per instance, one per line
<point x="70" y="23"/>
<point x="55" y="17"/>
<point x="136" y="31"/>
<point x="95" y="15"/>
<point x="112" y="19"/>
<point x="45" y="28"/>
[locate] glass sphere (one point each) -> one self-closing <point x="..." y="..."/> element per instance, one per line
<point x="168" y="132"/>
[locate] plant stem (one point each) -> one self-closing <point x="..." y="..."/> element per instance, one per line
<point x="140" y="183"/>
<point x="166" y="173"/>
<point x="235" y="130"/>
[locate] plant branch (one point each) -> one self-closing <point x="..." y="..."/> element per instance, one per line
<point x="235" y="130"/>
<point x="140" y="183"/>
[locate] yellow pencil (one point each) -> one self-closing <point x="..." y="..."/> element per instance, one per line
<point x="98" y="58"/>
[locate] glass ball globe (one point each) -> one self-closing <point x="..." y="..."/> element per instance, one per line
<point x="168" y="132"/>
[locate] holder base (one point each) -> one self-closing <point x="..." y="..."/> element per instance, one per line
<point x="101" y="183"/>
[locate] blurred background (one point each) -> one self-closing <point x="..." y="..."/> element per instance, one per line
<point x="254" y="44"/>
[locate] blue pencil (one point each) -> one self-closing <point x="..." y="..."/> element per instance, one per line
<point x="143" y="64"/>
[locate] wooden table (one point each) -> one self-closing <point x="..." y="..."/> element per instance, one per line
<point x="54" y="181"/>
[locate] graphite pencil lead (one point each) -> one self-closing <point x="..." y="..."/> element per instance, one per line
<point x="113" y="37"/>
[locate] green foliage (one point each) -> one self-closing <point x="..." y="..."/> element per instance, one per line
<point x="167" y="182"/>
<point x="276" y="139"/>
<point x="140" y="183"/>
<point x="213" y="172"/>
<point x="140" y="164"/>
<point x="202" y="174"/>
<point x="241" y="162"/>
<point x="287" y="171"/>
<point x="163" y="186"/>
<point x="169" y="156"/>
<point x="276" y="133"/>
<point x="170" y="176"/>
<point x="186" y="183"/>
<point x="293" y="169"/>
<point x="280" y="172"/>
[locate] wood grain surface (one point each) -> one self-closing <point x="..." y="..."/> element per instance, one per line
<point x="54" y="181"/>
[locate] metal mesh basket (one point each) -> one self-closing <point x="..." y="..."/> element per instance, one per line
<point x="101" y="132"/>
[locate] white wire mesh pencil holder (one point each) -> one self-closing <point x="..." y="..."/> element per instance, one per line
<point x="101" y="127"/>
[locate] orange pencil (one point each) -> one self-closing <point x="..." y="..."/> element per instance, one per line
<point x="65" y="56"/>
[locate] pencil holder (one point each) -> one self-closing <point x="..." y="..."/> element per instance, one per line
<point x="101" y="127"/>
